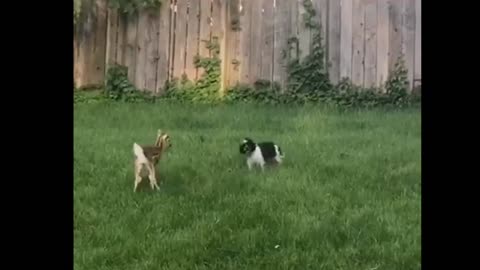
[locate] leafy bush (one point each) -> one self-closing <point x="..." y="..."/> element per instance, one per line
<point x="119" y="88"/>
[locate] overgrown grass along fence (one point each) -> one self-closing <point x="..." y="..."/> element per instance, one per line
<point x="362" y="38"/>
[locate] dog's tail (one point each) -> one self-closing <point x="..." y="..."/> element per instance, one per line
<point x="138" y="151"/>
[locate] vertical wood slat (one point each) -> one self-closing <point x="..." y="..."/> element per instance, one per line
<point x="232" y="53"/>
<point x="303" y="31"/>
<point x="141" y="56"/>
<point x="205" y="21"/>
<point x="281" y="36"/>
<point x="370" y="71"/>
<point x="346" y="39"/>
<point x="164" y="44"/>
<point x="266" y="71"/>
<point x="217" y="9"/>
<point x="131" y="46"/>
<point x="91" y="35"/>
<point x="321" y="15"/>
<point x="395" y="32"/>
<point x="111" y="45"/>
<point x="382" y="41"/>
<point x="180" y="39"/>
<point x="82" y="43"/>
<point x="172" y="36"/>
<point x="334" y="32"/>
<point x="245" y="39"/>
<point x="151" y="49"/>
<point x="121" y="38"/>
<point x="97" y="74"/>
<point x="408" y="38"/>
<point x="418" y="41"/>
<point x="85" y="45"/>
<point x="192" y="39"/>
<point x="226" y="43"/>
<point x="255" y="42"/>
<point x="358" y="42"/>
<point x="205" y="25"/>
<point x="219" y="12"/>
<point x="293" y="13"/>
<point x="235" y="76"/>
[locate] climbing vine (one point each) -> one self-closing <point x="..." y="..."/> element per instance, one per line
<point x="309" y="74"/>
<point x="206" y="88"/>
<point x="307" y="78"/>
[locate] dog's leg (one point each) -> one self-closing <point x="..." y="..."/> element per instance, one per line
<point x="249" y="164"/>
<point x="262" y="165"/>
<point x="138" y="178"/>
<point x="151" y="176"/>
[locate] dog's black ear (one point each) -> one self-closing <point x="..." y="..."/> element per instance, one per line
<point x="248" y="140"/>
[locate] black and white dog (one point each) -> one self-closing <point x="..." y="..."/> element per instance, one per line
<point x="260" y="153"/>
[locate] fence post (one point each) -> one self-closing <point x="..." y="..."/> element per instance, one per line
<point x="223" y="52"/>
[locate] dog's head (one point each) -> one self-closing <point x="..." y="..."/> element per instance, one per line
<point x="247" y="146"/>
<point x="163" y="140"/>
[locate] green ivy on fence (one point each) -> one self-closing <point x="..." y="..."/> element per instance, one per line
<point x="307" y="79"/>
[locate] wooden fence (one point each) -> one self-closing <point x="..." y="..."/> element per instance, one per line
<point x="362" y="38"/>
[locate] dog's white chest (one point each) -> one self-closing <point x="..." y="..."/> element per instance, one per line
<point x="256" y="157"/>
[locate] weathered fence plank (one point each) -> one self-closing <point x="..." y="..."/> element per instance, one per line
<point x="334" y="33"/>
<point x="370" y="71"/>
<point x="358" y="56"/>
<point x="304" y="41"/>
<point x="112" y="35"/>
<point x="382" y="41"/>
<point x="256" y="42"/>
<point x="141" y="56"/>
<point x="346" y="39"/>
<point x="192" y="38"/>
<point x="266" y="71"/>
<point x="418" y="42"/>
<point x="281" y="35"/>
<point x="395" y="32"/>
<point x="245" y="39"/>
<point x="130" y="52"/>
<point x="180" y="39"/>
<point x="408" y="38"/>
<point x="164" y="47"/>
<point x="151" y="49"/>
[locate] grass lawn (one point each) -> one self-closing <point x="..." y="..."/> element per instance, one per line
<point x="346" y="197"/>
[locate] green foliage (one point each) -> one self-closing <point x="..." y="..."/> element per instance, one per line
<point x="308" y="76"/>
<point x="344" y="94"/>
<point x="307" y="80"/>
<point x="131" y="6"/>
<point x="119" y="88"/>
<point x="206" y="88"/>
<point x="83" y="96"/>
<point x="397" y="83"/>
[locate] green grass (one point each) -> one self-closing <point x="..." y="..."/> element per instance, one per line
<point x="347" y="196"/>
